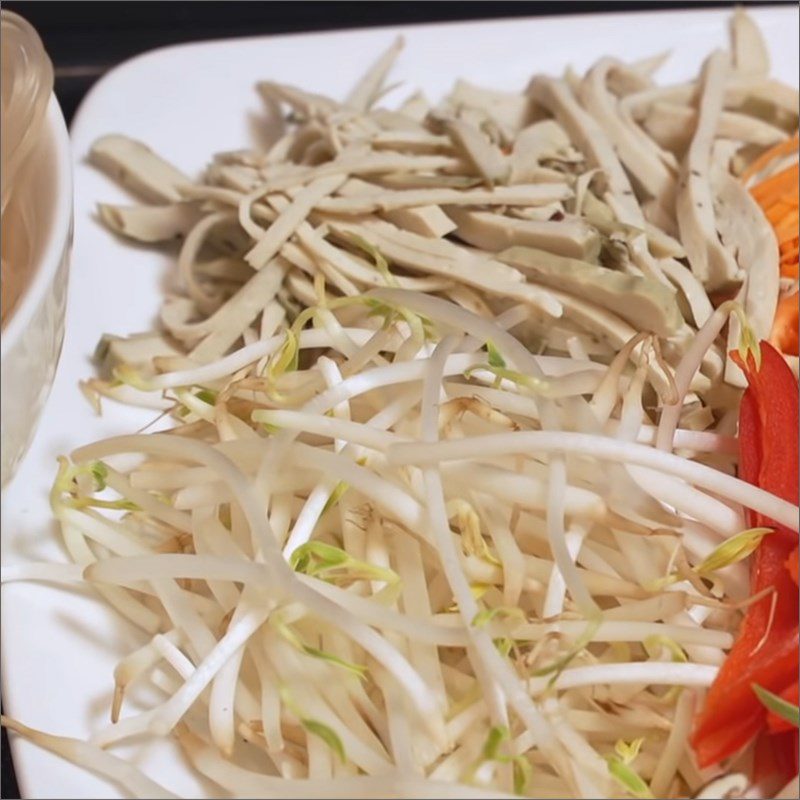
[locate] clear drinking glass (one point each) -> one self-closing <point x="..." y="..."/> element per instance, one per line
<point x="27" y="83"/>
<point x="37" y="207"/>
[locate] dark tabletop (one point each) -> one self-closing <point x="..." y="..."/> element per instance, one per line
<point x="85" y="39"/>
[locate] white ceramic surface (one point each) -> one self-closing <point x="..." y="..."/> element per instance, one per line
<point x="31" y="340"/>
<point x="59" y="647"/>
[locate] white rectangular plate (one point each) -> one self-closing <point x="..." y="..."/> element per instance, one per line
<point x="59" y="647"/>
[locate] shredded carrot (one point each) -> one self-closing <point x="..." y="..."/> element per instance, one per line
<point x="777" y="186"/>
<point x="778" y="198"/>
<point x="787" y="225"/>
<point x="780" y="149"/>
<point x="784" y="327"/>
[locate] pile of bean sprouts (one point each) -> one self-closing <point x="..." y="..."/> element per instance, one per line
<point x="448" y="504"/>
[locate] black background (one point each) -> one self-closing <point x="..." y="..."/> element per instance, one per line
<point x="86" y="39"/>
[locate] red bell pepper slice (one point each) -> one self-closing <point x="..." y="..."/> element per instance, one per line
<point x="733" y="714"/>
<point x="792" y="565"/>
<point x="775" y="761"/>
<point x="766" y="649"/>
<point x="778" y="724"/>
<point x="768" y="429"/>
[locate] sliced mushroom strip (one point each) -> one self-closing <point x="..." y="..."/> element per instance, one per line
<point x="543" y="142"/>
<point x="709" y="260"/>
<point x="397" y="121"/>
<point x="691" y="288"/>
<point x="207" y="300"/>
<point x="307" y="262"/>
<point x="306" y="104"/>
<point x="549" y="211"/>
<point x="764" y="94"/>
<point x="494" y="232"/>
<point x="485" y="156"/>
<point x="415" y="107"/>
<point x="750" y="54"/>
<point x="590" y="138"/>
<point x="644" y="303"/>
<point x="640" y="160"/>
<point x="138" y="349"/>
<point x="224" y="268"/>
<point x="348" y="265"/>
<point x="636" y="76"/>
<point x="439" y="257"/>
<point x="764" y="97"/>
<point x="354" y="164"/>
<point x="411" y="141"/>
<point x="151" y="224"/>
<point x="139" y="169"/>
<point x="557" y="97"/>
<point x="358" y="269"/>
<point x="520" y="195"/>
<point x="662" y="244"/>
<point x="179" y="314"/>
<point x="428" y="221"/>
<point x="242" y="178"/>
<point x="287" y="222"/>
<point x="671" y="125"/>
<point x="610" y="329"/>
<point x="229" y="322"/>
<point x="313" y="144"/>
<point x="636" y="106"/>
<point x="745" y="231"/>
<point x="510" y="111"/>
<point x="367" y="91"/>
